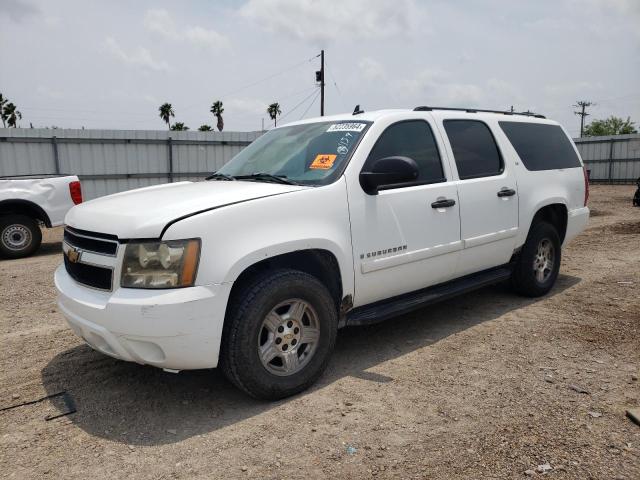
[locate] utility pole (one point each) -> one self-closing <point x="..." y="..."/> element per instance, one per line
<point x="583" y="105"/>
<point x="320" y="79"/>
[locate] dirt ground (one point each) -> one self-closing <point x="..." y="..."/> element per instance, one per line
<point x="490" y="385"/>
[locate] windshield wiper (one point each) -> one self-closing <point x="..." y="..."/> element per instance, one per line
<point x="268" y="177"/>
<point x="220" y="176"/>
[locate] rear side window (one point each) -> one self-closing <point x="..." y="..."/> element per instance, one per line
<point x="541" y="146"/>
<point x="474" y="148"/>
<point x="413" y="139"/>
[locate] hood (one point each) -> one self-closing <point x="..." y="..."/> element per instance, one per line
<point x="143" y="213"/>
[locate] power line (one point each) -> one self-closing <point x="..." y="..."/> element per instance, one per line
<point x="335" y="84"/>
<point x="257" y="82"/>
<point x="315" y="92"/>
<point x="310" y="105"/>
<point x="619" y="97"/>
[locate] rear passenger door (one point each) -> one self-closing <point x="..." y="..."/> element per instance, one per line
<point x="488" y="195"/>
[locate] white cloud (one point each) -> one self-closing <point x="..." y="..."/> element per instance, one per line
<point x="370" y="69"/>
<point x="622" y="6"/>
<point x="138" y="57"/>
<point x="322" y="22"/>
<point x="250" y="106"/>
<point x="441" y="88"/>
<point x="206" y="38"/>
<point x="571" y="88"/>
<point x="150" y="99"/>
<point x="159" y="21"/>
<point x="18" y="10"/>
<point x="49" y="92"/>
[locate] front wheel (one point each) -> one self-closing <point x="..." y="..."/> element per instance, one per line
<point x="20" y="236"/>
<point x="538" y="264"/>
<point x="279" y="334"/>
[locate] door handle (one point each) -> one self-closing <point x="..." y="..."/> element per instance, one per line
<point x="506" y="192"/>
<point x="447" y="202"/>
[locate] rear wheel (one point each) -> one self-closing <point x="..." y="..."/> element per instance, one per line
<point x="20" y="236"/>
<point x="279" y="334"/>
<point x="538" y="264"/>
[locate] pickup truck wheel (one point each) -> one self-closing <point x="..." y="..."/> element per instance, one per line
<point x="279" y="334"/>
<point x="20" y="236"/>
<point x="538" y="265"/>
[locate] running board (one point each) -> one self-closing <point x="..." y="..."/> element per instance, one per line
<point x="385" y="309"/>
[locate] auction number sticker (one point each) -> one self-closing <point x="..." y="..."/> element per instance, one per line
<point x="347" y="127"/>
<point x="323" y="162"/>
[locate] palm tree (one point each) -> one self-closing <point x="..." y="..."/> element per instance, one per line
<point x="205" y="128"/>
<point x="274" y="110"/>
<point x="3" y="101"/>
<point x="217" y="109"/>
<point x="179" y="127"/>
<point x="166" y="112"/>
<point x="11" y="114"/>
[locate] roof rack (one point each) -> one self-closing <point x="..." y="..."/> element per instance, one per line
<point x="476" y="110"/>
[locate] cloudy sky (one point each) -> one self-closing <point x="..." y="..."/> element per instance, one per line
<point x="110" y="64"/>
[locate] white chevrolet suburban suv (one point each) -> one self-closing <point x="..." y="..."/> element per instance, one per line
<point x="319" y="224"/>
<point x="26" y="203"/>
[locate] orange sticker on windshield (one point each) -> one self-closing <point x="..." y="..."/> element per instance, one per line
<point x="323" y="162"/>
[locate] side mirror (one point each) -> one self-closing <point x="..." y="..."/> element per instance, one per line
<point x="388" y="171"/>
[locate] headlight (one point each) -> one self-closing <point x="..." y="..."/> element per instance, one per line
<point x="169" y="264"/>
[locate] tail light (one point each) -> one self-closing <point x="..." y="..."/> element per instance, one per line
<point x="586" y="185"/>
<point x="75" y="190"/>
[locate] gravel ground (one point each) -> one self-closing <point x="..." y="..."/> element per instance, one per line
<point x="490" y="385"/>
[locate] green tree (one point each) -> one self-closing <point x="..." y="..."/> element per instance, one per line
<point x="610" y="126"/>
<point x="3" y="102"/>
<point x="166" y="112"/>
<point x="11" y="114"/>
<point x="217" y="109"/>
<point x="179" y="127"/>
<point x="274" y="110"/>
<point x="205" y="128"/>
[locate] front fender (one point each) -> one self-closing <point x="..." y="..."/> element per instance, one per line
<point x="237" y="236"/>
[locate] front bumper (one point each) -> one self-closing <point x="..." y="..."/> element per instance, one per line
<point x="177" y="329"/>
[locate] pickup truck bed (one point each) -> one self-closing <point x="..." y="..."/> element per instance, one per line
<point x="28" y="201"/>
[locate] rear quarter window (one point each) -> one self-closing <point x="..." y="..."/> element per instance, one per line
<point x="541" y="146"/>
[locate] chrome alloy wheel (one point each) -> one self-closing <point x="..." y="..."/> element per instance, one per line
<point x="289" y="336"/>
<point x="16" y="237"/>
<point x="544" y="260"/>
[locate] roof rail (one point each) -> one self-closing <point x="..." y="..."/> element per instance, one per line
<point x="476" y="110"/>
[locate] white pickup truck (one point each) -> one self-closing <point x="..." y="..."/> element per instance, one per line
<point x="320" y="224"/>
<point x="26" y="202"/>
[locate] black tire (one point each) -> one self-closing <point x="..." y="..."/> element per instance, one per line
<point x="20" y="236"/>
<point x="525" y="279"/>
<point x="239" y="357"/>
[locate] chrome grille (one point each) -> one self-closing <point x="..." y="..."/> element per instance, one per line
<point x="92" y="242"/>
<point x="89" y="258"/>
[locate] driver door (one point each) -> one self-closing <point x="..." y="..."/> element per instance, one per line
<point x="406" y="237"/>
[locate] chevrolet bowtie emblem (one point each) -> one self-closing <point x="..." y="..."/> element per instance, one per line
<point x="73" y="254"/>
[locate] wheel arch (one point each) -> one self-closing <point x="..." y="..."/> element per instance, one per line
<point x="320" y="263"/>
<point x="24" y="207"/>
<point x="555" y="213"/>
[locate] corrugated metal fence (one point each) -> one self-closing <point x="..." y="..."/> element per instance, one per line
<point x="109" y="161"/>
<point x="613" y="159"/>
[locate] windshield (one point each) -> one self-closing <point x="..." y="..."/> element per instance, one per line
<point x="309" y="154"/>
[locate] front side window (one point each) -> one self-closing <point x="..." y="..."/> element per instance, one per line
<point x="413" y="139"/>
<point x="474" y="148"/>
<point x="308" y="154"/>
<point x="541" y="146"/>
